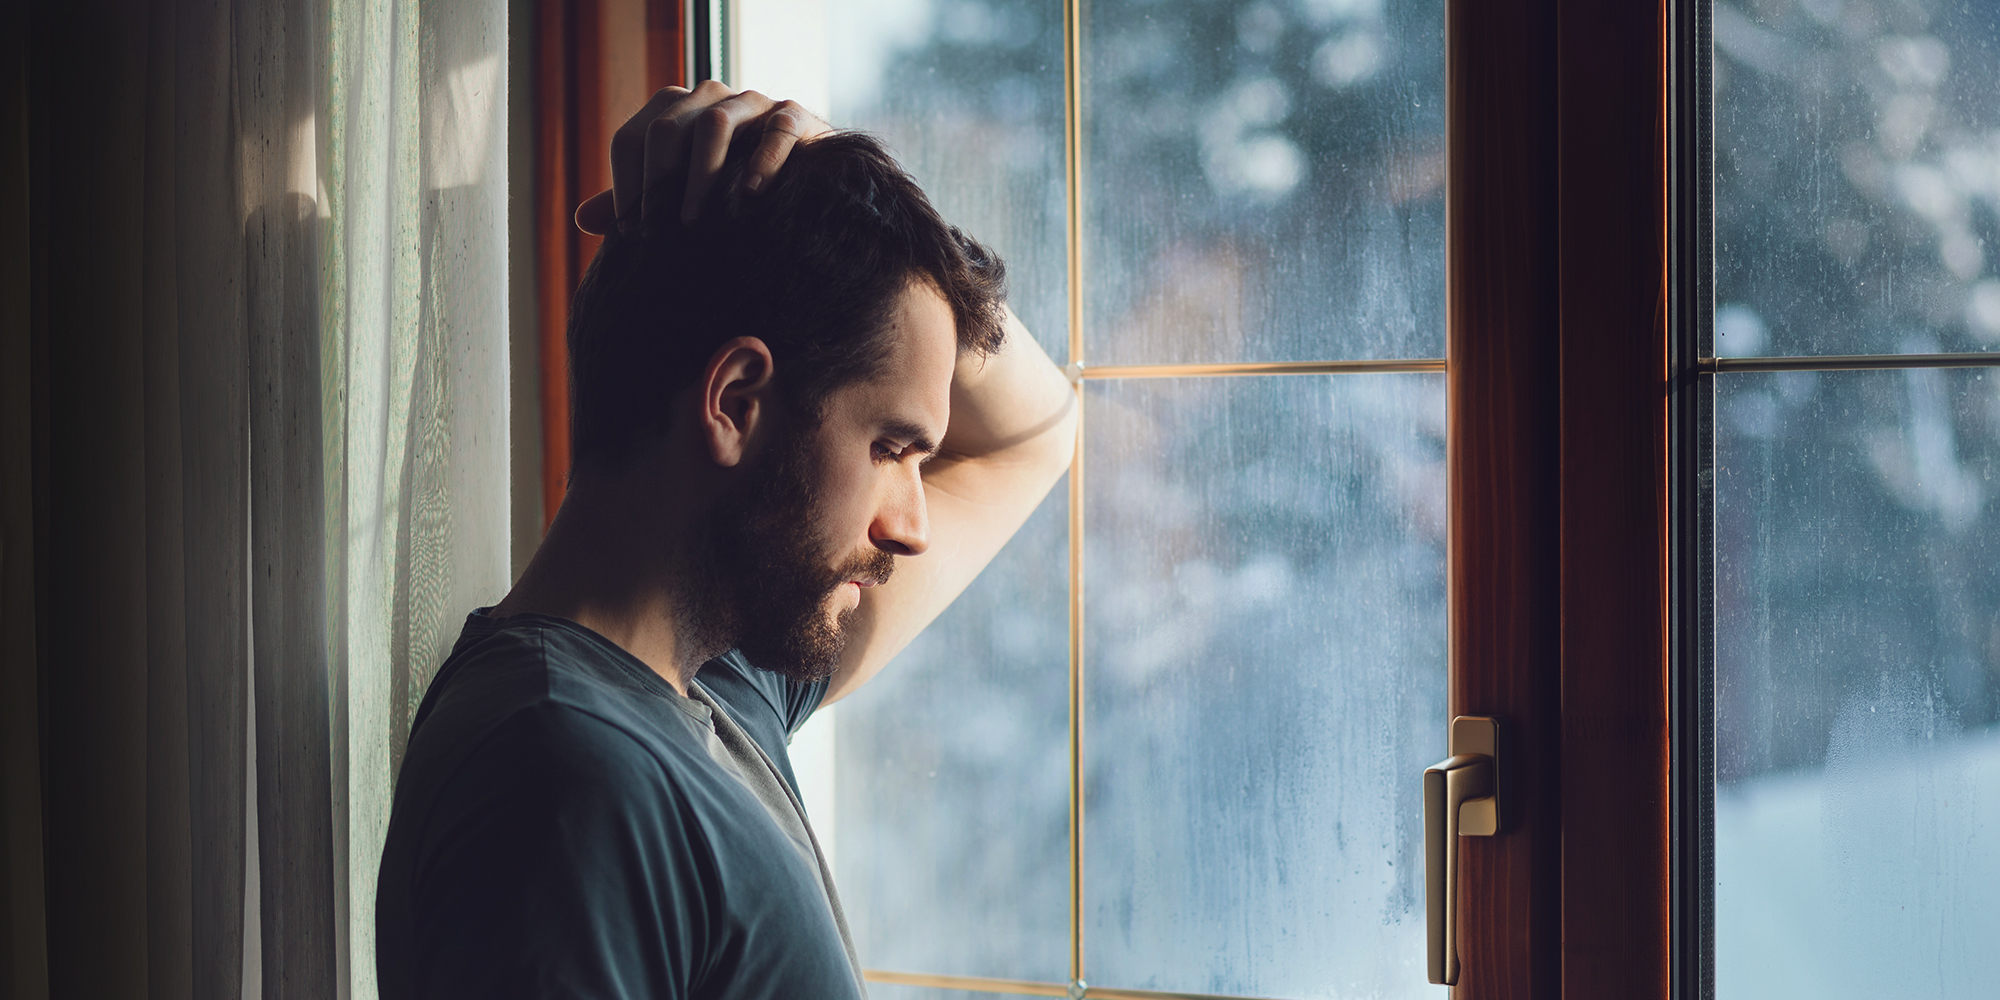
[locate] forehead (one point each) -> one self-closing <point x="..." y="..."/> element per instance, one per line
<point x="914" y="384"/>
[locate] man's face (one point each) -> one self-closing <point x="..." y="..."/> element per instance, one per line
<point x="827" y="511"/>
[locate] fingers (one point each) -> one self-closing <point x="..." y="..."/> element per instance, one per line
<point x="784" y="127"/>
<point x="628" y="150"/>
<point x="710" y="136"/>
<point x="668" y="138"/>
<point x="665" y="159"/>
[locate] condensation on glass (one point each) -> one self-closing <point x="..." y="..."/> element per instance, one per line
<point x="951" y="773"/>
<point x="969" y="95"/>
<point x="1264" y="568"/>
<point x="1264" y="181"/>
<point x="887" y="991"/>
<point x="1857" y="808"/>
<point x="1857" y="544"/>
<point x="953" y="780"/>
<point x="1857" y="177"/>
<point x="1265" y="638"/>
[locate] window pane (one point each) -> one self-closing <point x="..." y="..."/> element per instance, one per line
<point x="969" y="93"/>
<point x="1857" y="813"/>
<point x="952" y="848"/>
<point x="1857" y="177"/>
<point x="1264" y="180"/>
<point x="1265" y="616"/>
<point x="949" y="771"/>
<point x="885" y="991"/>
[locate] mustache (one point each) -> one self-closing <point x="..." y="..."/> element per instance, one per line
<point x="874" y="566"/>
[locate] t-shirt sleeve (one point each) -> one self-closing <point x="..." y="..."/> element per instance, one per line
<point x="529" y="890"/>
<point x="802" y="699"/>
<point x="732" y="676"/>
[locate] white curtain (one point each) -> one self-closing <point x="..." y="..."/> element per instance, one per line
<point x="413" y="258"/>
<point x="271" y="375"/>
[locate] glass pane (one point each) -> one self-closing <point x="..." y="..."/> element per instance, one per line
<point x="1857" y="812"/>
<point x="969" y="93"/>
<point x="1857" y="177"/>
<point x="949" y="771"/>
<point x="1264" y="181"/>
<point x="1265" y="629"/>
<point x="952" y="848"/>
<point x="885" y="991"/>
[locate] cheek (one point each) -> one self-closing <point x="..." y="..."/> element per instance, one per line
<point x="846" y="498"/>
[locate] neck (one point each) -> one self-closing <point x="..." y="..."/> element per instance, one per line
<point x="619" y="572"/>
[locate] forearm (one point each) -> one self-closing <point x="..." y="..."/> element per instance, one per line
<point x="1011" y="435"/>
<point x="1013" y="404"/>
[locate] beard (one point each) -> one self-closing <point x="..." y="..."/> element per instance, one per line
<point x="767" y="577"/>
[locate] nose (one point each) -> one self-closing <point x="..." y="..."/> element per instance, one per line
<point x="902" y="524"/>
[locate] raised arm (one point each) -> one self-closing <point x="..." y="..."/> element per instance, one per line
<point x="1013" y="414"/>
<point x="1012" y="431"/>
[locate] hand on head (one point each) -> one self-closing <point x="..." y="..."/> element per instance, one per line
<point x="665" y="159"/>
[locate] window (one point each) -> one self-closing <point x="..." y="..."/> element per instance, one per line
<point x="1856" y="516"/>
<point x="1169" y="743"/>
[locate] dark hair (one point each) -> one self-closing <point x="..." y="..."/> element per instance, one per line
<point x="812" y="266"/>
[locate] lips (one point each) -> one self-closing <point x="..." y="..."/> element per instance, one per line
<point x="868" y="569"/>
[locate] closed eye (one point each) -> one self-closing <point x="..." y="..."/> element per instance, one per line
<point x="920" y="445"/>
<point x="889" y="451"/>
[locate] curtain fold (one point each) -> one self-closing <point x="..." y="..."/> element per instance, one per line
<point x="268" y="369"/>
<point x="171" y="937"/>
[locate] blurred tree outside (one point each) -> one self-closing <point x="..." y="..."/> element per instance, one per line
<point x="1857" y="202"/>
<point x="1264" y="557"/>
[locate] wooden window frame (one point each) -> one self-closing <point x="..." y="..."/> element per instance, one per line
<point x="580" y="96"/>
<point x="1559" y="345"/>
<point x="1562" y="306"/>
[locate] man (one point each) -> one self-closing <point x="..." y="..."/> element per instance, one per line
<point x="803" y="421"/>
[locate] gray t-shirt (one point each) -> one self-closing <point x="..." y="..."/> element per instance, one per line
<point x="567" y="825"/>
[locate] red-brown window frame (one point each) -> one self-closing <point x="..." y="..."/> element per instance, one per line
<point x="580" y="97"/>
<point x="1559" y="340"/>
<point x="1559" y="352"/>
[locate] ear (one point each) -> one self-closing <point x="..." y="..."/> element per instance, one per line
<point x="734" y="398"/>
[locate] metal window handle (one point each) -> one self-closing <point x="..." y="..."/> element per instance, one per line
<point x="1460" y="800"/>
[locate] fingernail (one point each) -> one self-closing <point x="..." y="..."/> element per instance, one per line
<point x="753" y="183"/>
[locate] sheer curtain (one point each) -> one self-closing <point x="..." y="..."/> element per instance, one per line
<point x="264" y="469"/>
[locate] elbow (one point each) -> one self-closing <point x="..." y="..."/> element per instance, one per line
<point x="1059" y="442"/>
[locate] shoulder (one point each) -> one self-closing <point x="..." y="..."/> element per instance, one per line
<point x="561" y="856"/>
<point x="570" y="742"/>
<point x="582" y="784"/>
<point x="546" y="788"/>
<point x="528" y="755"/>
<point x="527" y="715"/>
<point x="502" y="666"/>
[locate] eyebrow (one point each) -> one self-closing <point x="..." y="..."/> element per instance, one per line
<point x="919" y="440"/>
